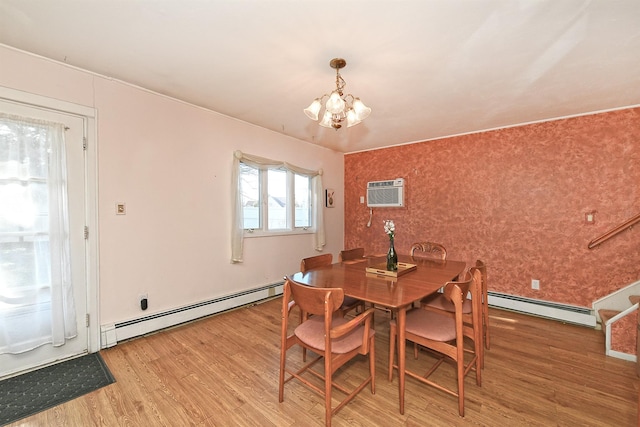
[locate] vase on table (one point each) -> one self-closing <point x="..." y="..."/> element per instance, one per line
<point x="392" y="257"/>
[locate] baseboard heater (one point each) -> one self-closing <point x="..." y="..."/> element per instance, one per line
<point x="111" y="334"/>
<point x="562" y="312"/>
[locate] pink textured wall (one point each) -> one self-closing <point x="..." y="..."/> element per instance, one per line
<point x="517" y="199"/>
<point x="623" y="337"/>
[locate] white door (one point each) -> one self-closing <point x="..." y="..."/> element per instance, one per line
<point x="10" y="364"/>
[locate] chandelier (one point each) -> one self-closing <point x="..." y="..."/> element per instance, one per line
<point x="338" y="107"/>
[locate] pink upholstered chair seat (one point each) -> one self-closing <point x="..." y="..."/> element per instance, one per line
<point x="311" y="333"/>
<point x="440" y="302"/>
<point x="430" y="325"/>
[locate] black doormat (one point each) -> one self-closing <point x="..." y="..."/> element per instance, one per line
<point x="35" y="391"/>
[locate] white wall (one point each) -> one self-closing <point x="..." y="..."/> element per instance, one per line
<point x="170" y="162"/>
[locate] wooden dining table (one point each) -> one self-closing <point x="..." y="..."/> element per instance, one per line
<point x="395" y="293"/>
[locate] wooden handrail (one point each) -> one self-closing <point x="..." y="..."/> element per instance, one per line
<point x="619" y="229"/>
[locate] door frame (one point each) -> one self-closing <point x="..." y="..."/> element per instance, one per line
<point x="91" y="188"/>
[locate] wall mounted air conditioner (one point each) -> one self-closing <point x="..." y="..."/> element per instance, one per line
<point x="385" y="194"/>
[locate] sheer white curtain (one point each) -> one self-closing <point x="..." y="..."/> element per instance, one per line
<point x="237" y="232"/>
<point x="36" y="295"/>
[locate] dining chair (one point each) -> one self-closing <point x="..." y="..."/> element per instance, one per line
<point x="480" y="265"/>
<point x="472" y="312"/>
<point x="310" y="263"/>
<point x="316" y="261"/>
<point x="333" y="338"/>
<point x="444" y="336"/>
<point x="324" y="260"/>
<point x="351" y="254"/>
<point x="428" y="250"/>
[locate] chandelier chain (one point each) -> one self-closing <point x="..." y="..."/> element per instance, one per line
<point x="340" y="83"/>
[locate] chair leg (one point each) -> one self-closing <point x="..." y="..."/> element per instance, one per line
<point x="461" y="388"/>
<point x="482" y="333"/>
<point x="328" y="378"/>
<point x="283" y="350"/>
<point x="461" y="368"/>
<point x="304" y="350"/>
<point x="485" y="318"/>
<point x="392" y="349"/>
<point x="485" y="328"/>
<point x="281" y="383"/>
<point x="479" y="360"/>
<point x="372" y="364"/>
<point x="478" y="339"/>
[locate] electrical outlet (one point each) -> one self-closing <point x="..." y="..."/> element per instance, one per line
<point x="144" y="302"/>
<point x="535" y="284"/>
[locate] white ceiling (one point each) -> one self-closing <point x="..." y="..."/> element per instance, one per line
<point x="427" y="68"/>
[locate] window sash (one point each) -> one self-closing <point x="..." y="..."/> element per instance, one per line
<point x="267" y="208"/>
<point x="315" y="201"/>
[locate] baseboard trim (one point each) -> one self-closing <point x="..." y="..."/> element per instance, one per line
<point x="621" y="355"/>
<point x="561" y="312"/>
<point x="114" y="333"/>
<point x="157" y="321"/>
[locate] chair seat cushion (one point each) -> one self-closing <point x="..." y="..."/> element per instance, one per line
<point x="311" y="333"/>
<point x="441" y="302"/>
<point x="430" y="325"/>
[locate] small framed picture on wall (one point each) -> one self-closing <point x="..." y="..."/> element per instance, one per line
<point x="329" y="200"/>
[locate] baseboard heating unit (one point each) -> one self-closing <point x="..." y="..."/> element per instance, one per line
<point x="111" y="334"/>
<point x="562" y="312"/>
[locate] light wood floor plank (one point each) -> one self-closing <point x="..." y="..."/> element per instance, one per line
<point x="223" y="371"/>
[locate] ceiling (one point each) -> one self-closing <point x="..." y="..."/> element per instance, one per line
<point x="427" y="68"/>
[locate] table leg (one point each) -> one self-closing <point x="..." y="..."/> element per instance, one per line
<point x="402" y="318"/>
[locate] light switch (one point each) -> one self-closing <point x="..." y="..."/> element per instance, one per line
<point x="121" y="209"/>
<point x="361" y="199"/>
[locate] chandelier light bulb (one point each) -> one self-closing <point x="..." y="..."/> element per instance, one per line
<point x="326" y="120"/>
<point x="361" y="110"/>
<point x="335" y="104"/>
<point x="338" y="107"/>
<point x="352" y="118"/>
<point x="312" y="110"/>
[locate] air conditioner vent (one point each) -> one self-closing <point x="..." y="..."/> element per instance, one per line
<point x="385" y="193"/>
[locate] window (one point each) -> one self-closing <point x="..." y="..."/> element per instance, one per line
<point x="275" y="200"/>
<point x="273" y="197"/>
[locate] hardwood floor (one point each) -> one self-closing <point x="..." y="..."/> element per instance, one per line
<point x="538" y="373"/>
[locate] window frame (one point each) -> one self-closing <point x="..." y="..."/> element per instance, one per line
<point x="263" y="208"/>
<point x="237" y="216"/>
